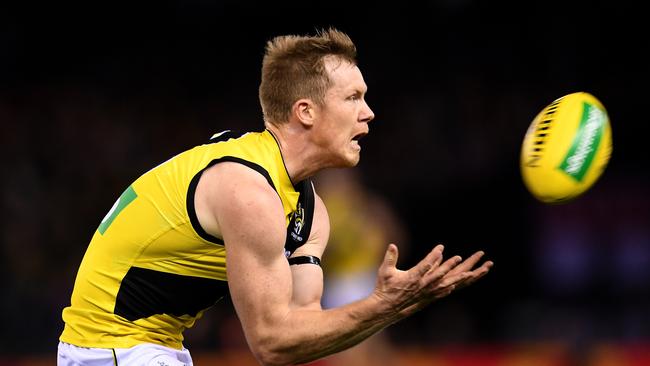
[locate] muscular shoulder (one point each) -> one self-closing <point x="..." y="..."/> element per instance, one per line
<point x="233" y="200"/>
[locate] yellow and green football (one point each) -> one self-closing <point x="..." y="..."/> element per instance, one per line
<point x="566" y="148"/>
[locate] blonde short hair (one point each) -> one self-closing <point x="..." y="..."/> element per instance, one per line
<point x="293" y="68"/>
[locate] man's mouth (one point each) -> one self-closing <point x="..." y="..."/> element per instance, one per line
<point x="359" y="136"/>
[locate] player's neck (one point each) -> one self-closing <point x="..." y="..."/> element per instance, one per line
<point x="299" y="155"/>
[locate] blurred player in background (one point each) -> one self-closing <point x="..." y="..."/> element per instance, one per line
<point x="361" y="223"/>
<point x="158" y="259"/>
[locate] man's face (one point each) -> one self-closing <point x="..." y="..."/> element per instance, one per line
<point x="344" y="118"/>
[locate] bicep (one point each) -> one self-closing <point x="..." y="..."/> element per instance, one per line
<point x="251" y="220"/>
<point x="308" y="278"/>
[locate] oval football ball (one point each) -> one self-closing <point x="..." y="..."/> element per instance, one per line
<point x="566" y="148"/>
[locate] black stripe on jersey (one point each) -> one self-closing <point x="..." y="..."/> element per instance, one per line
<point x="191" y="210"/>
<point x="145" y="292"/>
<point x="299" y="227"/>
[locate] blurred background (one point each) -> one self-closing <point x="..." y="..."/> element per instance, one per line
<point x="94" y="94"/>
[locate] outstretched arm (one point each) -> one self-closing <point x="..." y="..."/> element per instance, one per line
<point x="281" y="325"/>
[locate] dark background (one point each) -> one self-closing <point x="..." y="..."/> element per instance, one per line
<point x="94" y="94"/>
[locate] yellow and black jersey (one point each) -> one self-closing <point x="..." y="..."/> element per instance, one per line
<point x="150" y="270"/>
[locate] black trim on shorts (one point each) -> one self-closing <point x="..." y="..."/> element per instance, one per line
<point x="191" y="209"/>
<point x="114" y="357"/>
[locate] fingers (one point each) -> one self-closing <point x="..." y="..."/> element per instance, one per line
<point x="431" y="272"/>
<point x="431" y="279"/>
<point x="469" y="263"/>
<point x="473" y="259"/>
<point x="442" y="269"/>
<point x="480" y="271"/>
<point x="390" y="258"/>
<point x="457" y="273"/>
<point x="456" y="280"/>
<point x="473" y="276"/>
<point x="432" y="260"/>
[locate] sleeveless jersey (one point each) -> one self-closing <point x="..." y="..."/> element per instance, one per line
<point x="150" y="270"/>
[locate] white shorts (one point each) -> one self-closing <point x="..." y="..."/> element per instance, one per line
<point x="141" y="355"/>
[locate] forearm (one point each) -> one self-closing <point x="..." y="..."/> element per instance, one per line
<point x="307" y="335"/>
<point x="355" y="338"/>
<point x="306" y="306"/>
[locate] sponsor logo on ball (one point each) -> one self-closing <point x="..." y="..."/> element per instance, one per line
<point x="585" y="144"/>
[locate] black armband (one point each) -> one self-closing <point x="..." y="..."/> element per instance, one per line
<point x="305" y="259"/>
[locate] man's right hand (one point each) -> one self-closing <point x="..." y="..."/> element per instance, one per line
<point x="405" y="292"/>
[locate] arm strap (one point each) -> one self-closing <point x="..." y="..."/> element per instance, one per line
<point x="304" y="259"/>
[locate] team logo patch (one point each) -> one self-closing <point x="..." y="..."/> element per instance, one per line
<point x="298" y="223"/>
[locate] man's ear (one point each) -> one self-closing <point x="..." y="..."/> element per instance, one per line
<point x="303" y="110"/>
